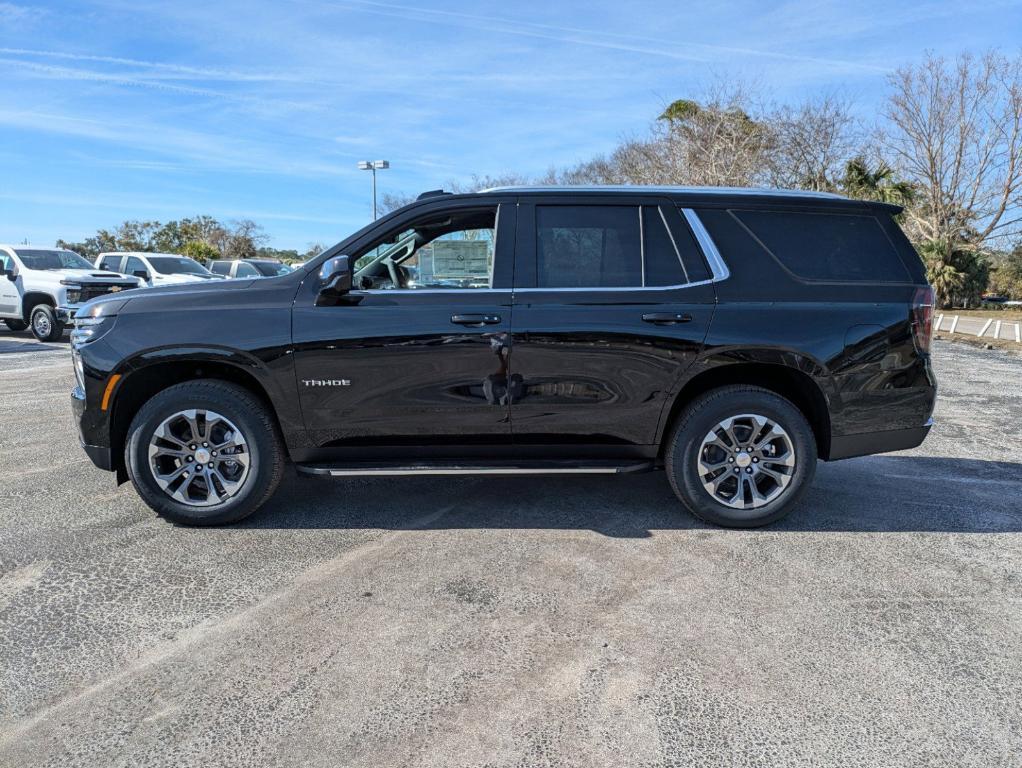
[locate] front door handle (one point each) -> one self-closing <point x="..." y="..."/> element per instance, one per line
<point x="666" y="318"/>
<point x="475" y="319"/>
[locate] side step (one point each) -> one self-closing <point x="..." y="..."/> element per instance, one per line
<point x="454" y="467"/>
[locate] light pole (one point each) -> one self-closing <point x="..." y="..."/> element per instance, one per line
<point x="374" y="166"/>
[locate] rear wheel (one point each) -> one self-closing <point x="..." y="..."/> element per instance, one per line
<point x="16" y="325"/>
<point x="204" y="453"/>
<point x="741" y="456"/>
<point x="45" y="325"/>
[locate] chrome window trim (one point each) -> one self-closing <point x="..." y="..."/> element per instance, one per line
<point x="463" y="291"/>
<point x="709" y="248"/>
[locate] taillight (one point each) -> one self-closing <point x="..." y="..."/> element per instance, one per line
<point x="922" y="317"/>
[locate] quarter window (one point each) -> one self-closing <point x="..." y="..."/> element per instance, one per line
<point x="827" y="246"/>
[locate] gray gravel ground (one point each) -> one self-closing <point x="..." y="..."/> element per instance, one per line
<point x="568" y="622"/>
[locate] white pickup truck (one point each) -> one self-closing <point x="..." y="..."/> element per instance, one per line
<point x="42" y="288"/>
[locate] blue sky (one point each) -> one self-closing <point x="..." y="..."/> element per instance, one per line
<point x="121" y="110"/>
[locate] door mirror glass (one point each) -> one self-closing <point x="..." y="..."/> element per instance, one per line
<point x="335" y="276"/>
<point x="141" y="273"/>
<point x="11" y="273"/>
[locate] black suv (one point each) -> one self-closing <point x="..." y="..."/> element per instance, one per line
<point x="730" y="337"/>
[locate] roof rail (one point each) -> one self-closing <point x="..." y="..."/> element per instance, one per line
<point x="432" y="193"/>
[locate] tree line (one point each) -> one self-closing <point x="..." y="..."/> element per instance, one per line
<point x="200" y="237"/>
<point x="946" y="145"/>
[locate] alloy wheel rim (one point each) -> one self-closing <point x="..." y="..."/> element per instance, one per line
<point x="42" y="324"/>
<point x="199" y="458"/>
<point x="746" y="461"/>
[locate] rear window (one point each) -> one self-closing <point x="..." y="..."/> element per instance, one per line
<point x="827" y="246"/>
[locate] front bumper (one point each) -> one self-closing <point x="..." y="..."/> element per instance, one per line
<point x="99" y="454"/>
<point x="850" y="446"/>
<point x="65" y="314"/>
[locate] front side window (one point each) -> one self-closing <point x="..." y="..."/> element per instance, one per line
<point x="271" y="268"/>
<point x="51" y="259"/>
<point x="221" y="268"/>
<point x="110" y="263"/>
<point x="133" y="265"/>
<point x="452" y="250"/>
<point x="177" y="265"/>
<point x="246" y="270"/>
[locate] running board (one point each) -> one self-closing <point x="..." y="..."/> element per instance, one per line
<point x="449" y="467"/>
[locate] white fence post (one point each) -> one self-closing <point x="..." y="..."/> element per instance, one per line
<point x="1018" y="333"/>
<point x="954" y="324"/>
<point x="985" y="326"/>
<point x="997" y="330"/>
<point x="940" y="319"/>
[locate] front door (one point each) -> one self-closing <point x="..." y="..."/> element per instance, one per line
<point x="612" y="304"/>
<point x="417" y="354"/>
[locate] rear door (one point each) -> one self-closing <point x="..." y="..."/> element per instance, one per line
<point x="422" y="363"/>
<point x="613" y="300"/>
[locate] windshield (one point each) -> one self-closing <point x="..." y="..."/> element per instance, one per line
<point x="54" y="259"/>
<point x="271" y="268"/>
<point x="177" y="265"/>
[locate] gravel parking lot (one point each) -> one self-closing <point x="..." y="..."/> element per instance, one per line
<point x="514" y="622"/>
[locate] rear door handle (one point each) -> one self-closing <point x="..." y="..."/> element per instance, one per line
<point x="666" y="318"/>
<point x="475" y="319"/>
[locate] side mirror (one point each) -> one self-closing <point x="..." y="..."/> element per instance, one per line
<point x="335" y="276"/>
<point x="141" y="274"/>
<point x="11" y="273"/>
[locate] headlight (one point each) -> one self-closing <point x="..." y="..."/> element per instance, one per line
<point x="94" y="320"/>
<point x="74" y="291"/>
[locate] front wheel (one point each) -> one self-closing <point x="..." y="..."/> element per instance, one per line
<point x="45" y="325"/>
<point x="741" y="456"/>
<point x="204" y="452"/>
<point x="16" y="325"/>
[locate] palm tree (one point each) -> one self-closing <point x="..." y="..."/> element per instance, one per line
<point x="865" y="183"/>
<point x="947" y="280"/>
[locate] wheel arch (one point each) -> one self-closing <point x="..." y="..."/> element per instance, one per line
<point x="143" y="382"/>
<point x="791" y="383"/>
<point x="33" y="299"/>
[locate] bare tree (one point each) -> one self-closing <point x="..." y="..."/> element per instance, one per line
<point x="811" y="143"/>
<point x="956" y="134"/>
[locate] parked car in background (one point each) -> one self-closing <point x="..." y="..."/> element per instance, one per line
<point x="155" y="268"/>
<point x="248" y="267"/>
<point x="43" y="288"/>
<point x="728" y="337"/>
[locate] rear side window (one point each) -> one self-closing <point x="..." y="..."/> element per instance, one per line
<point x="826" y="246"/>
<point x="246" y="270"/>
<point x="580" y="246"/>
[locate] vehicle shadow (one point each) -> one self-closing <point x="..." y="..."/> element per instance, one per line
<point x="872" y="494"/>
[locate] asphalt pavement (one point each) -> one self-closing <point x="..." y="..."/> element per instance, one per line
<point x="516" y="622"/>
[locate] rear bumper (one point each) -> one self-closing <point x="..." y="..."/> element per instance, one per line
<point x="849" y="446"/>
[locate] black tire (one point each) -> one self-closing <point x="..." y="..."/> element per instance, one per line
<point x="16" y="325"/>
<point x="252" y="418"/>
<point x="44" y="323"/>
<point x="702" y="416"/>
